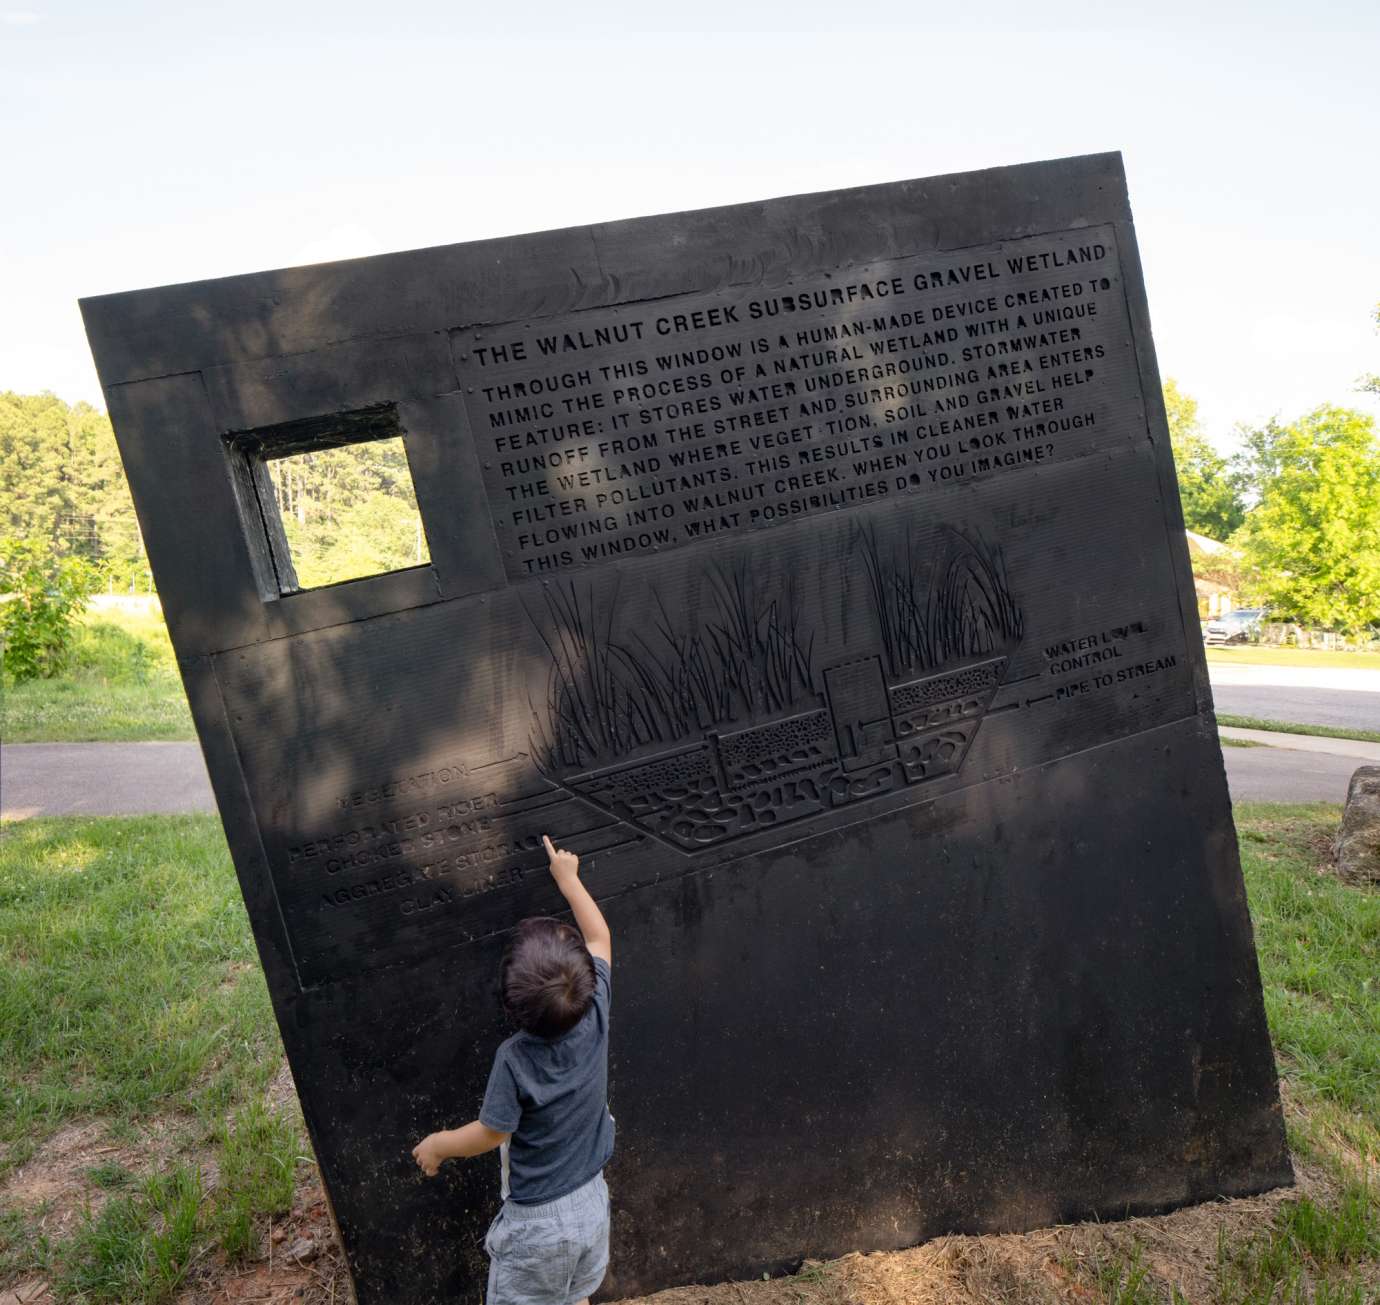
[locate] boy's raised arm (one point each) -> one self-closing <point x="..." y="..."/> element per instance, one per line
<point x="565" y="870"/>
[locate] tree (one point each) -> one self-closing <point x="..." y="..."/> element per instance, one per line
<point x="61" y="481"/>
<point x="1371" y="384"/>
<point x="348" y="511"/>
<point x="1313" y="538"/>
<point x="1209" y="488"/>
<point x="44" y="595"/>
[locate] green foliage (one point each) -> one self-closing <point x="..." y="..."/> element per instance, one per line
<point x="259" y="1152"/>
<point x="138" y="1247"/>
<point x="108" y="1174"/>
<point x="61" y="482"/>
<point x="116" y="654"/>
<point x="1303" y="1257"/>
<point x="1343" y="1233"/>
<point x="1127" y="1282"/>
<point x="129" y="986"/>
<point x="349" y="511"/>
<point x="21" y="1253"/>
<point x="46" y="594"/>
<point x="77" y="709"/>
<point x="1210" y="488"/>
<point x="1313" y="537"/>
<point x="122" y="683"/>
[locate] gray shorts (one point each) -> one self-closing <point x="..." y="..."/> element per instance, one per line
<point x="555" y="1253"/>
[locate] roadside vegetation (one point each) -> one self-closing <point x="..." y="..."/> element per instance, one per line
<point x="1292" y="727"/>
<point x="1237" y="654"/>
<point x="68" y="530"/>
<point x="120" y="683"/>
<point x="150" y="1144"/>
<point x="1297" y="506"/>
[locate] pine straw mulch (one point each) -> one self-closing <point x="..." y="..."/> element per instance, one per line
<point x="1050" y="1266"/>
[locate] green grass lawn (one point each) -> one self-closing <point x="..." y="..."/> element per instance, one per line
<point x="131" y="999"/>
<point x="129" y="978"/>
<point x="1270" y="655"/>
<point x="122" y="685"/>
<point x="1319" y="947"/>
<point x="130" y="995"/>
<point x="1291" y="727"/>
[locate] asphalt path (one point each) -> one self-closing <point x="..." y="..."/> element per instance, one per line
<point x="1273" y="774"/>
<point x="1302" y="695"/>
<point x="108" y="779"/>
<point x="102" y="779"/>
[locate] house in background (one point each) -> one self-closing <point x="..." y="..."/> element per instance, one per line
<point x="1214" y="575"/>
<point x="1214" y="599"/>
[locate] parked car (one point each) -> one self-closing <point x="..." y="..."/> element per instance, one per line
<point x="1239" y="626"/>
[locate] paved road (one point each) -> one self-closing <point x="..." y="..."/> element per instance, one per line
<point x="1305" y="695"/>
<point x="102" y="779"/>
<point x="1285" y="775"/>
<point x="1362" y="753"/>
<point x="89" y="779"/>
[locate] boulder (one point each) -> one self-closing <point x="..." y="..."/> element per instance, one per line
<point x="1358" y="841"/>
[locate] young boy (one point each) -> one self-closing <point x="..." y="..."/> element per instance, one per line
<point x="546" y="1107"/>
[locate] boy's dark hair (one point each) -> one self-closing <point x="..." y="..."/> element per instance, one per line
<point x="547" y="977"/>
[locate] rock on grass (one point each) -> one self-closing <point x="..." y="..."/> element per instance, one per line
<point x="1358" y="842"/>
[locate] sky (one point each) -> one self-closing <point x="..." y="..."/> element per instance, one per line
<point x="150" y="143"/>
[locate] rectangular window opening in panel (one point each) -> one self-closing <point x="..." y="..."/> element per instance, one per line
<point x="328" y="500"/>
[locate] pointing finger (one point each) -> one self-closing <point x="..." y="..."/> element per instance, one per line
<point x="550" y="849"/>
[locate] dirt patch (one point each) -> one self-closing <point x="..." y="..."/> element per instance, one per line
<point x="300" y="1261"/>
<point x="282" y="1092"/>
<point x="55" y="1181"/>
<point x="1050" y="1266"/>
<point x="314" y="1275"/>
<point x="58" y="1165"/>
<point x="233" y="971"/>
<point x="56" y="1186"/>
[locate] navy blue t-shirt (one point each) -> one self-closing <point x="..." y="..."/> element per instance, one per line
<point x="551" y="1094"/>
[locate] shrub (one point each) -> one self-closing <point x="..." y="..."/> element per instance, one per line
<point x="43" y="594"/>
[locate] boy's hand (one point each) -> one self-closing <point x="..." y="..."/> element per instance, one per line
<point x="428" y="1154"/>
<point x="565" y="870"/>
<point x="565" y="866"/>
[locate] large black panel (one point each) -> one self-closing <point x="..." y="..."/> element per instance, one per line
<point x="815" y="569"/>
